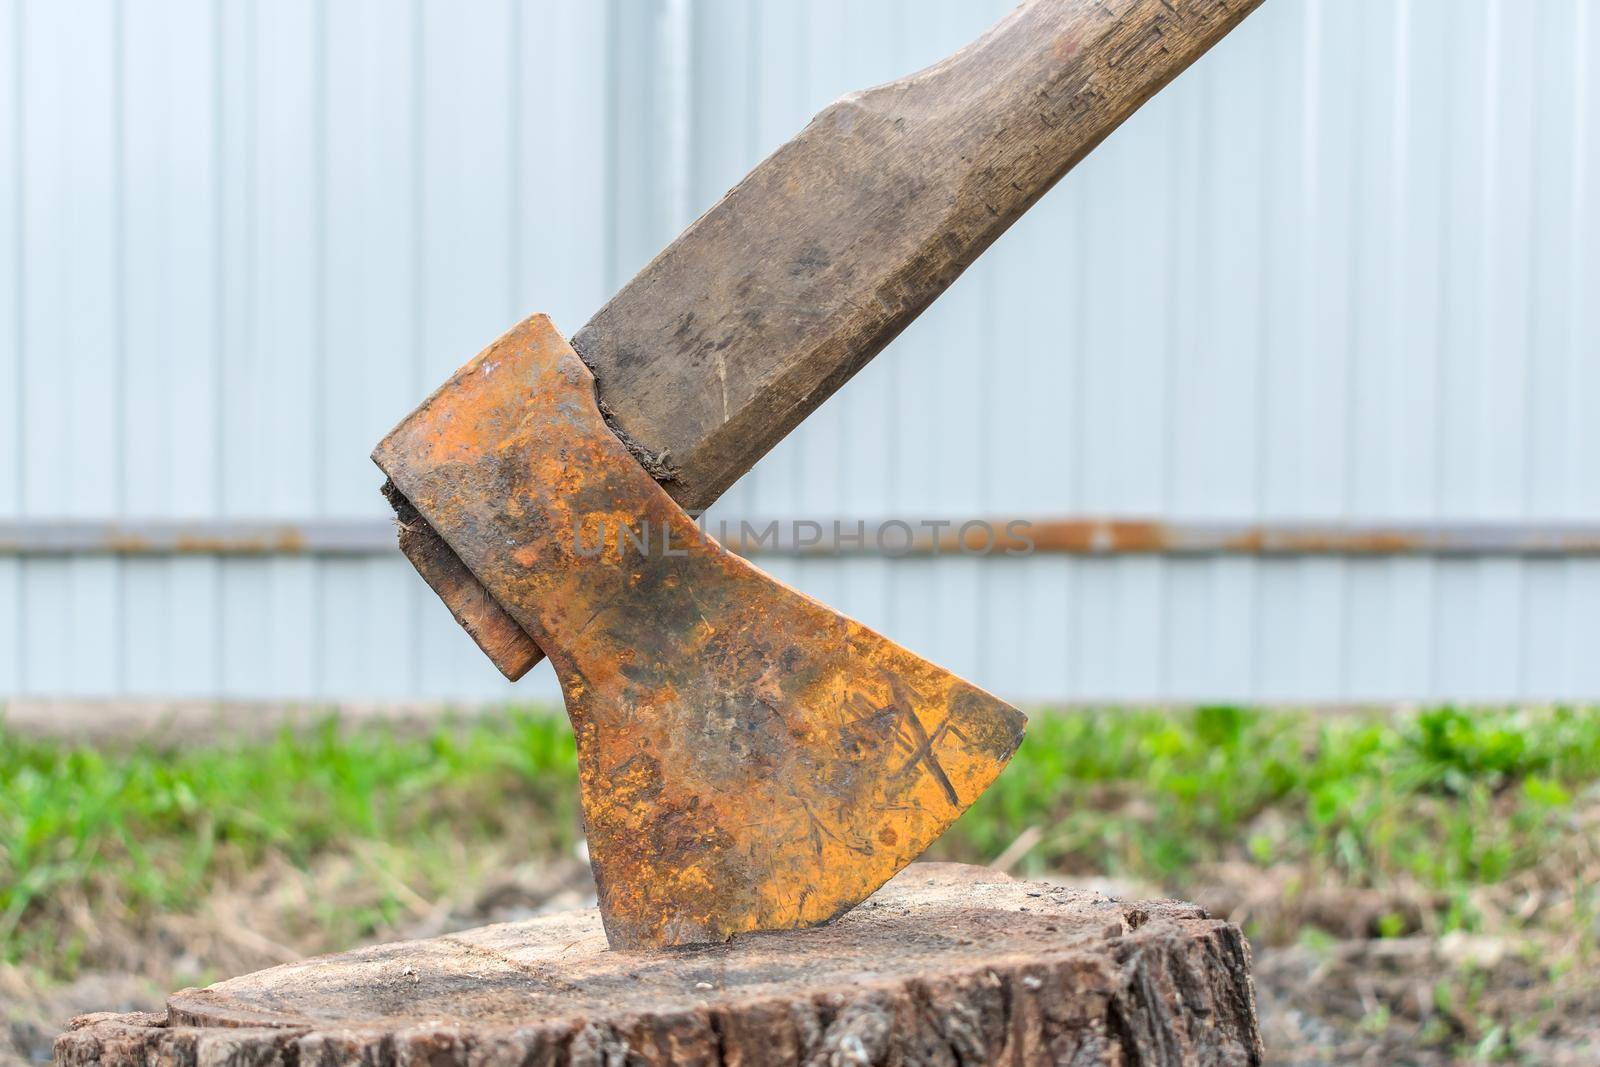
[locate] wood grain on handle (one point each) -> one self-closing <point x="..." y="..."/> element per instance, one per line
<point x="803" y="272"/>
<point x="807" y="268"/>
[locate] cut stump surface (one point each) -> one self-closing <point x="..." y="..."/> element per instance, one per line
<point x="945" y="965"/>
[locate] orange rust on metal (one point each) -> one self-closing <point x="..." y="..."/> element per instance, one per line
<point x="1261" y="541"/>
<point x="749" y="758"/>
<point x="495" y="633"/>
<point x="1126" y="536"/>
<point x="126" y="544"/>
<point x="159" y="538"/>
<point x="287" y="542"/>
<point x="1090" y="537"/>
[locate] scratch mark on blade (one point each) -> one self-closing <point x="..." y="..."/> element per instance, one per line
<point x="817" y="825"/>
<point x="924" y="749"/>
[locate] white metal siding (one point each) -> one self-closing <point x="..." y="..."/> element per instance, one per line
<point x="1348" y="267"/>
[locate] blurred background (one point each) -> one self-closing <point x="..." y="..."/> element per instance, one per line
<point x="1336" y="288"/>
<point x="1340" y="276"/>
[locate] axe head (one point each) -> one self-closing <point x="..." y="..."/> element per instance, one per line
<point x="749" y="758"/>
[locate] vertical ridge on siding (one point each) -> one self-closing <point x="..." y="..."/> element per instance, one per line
<point x="68" y="312"/>
<point x="1581" y="495"/>
<point x="368" y="249"/>
<point x="242" y="632"/>
<point x="12" y="677"/>
<point x="285" y="460"/>
<point x="168" y="185"/>
<point x="466" y="236"/>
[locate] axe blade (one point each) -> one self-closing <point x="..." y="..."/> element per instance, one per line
<point x="749" y="758"/>
<point x="786" y="287"/>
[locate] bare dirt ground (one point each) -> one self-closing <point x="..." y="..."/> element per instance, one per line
<point x="1341" y="997"/>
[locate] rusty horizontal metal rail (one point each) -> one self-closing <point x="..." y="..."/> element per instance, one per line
<point x="900" y="538"/>
<point x="197" y="537"/>
<point x="1115" y="536"/>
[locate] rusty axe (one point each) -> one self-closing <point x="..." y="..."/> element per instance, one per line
<point x="750" y="759"/>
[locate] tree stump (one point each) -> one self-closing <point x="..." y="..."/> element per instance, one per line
<point x="945" y="965"/>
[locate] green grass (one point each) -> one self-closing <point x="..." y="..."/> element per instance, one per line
<point x="1446" y="799"/>
<point x="151" y="830"/>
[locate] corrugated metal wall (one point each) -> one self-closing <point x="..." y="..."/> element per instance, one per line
<point x="1348" y="267"/>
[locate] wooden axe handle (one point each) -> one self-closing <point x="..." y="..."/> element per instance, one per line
<point x="807" y="268"/>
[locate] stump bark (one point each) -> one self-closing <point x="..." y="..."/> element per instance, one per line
<point x="946" y="965"/>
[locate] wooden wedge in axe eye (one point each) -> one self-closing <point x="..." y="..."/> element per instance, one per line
<point x="749" y="758"/>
